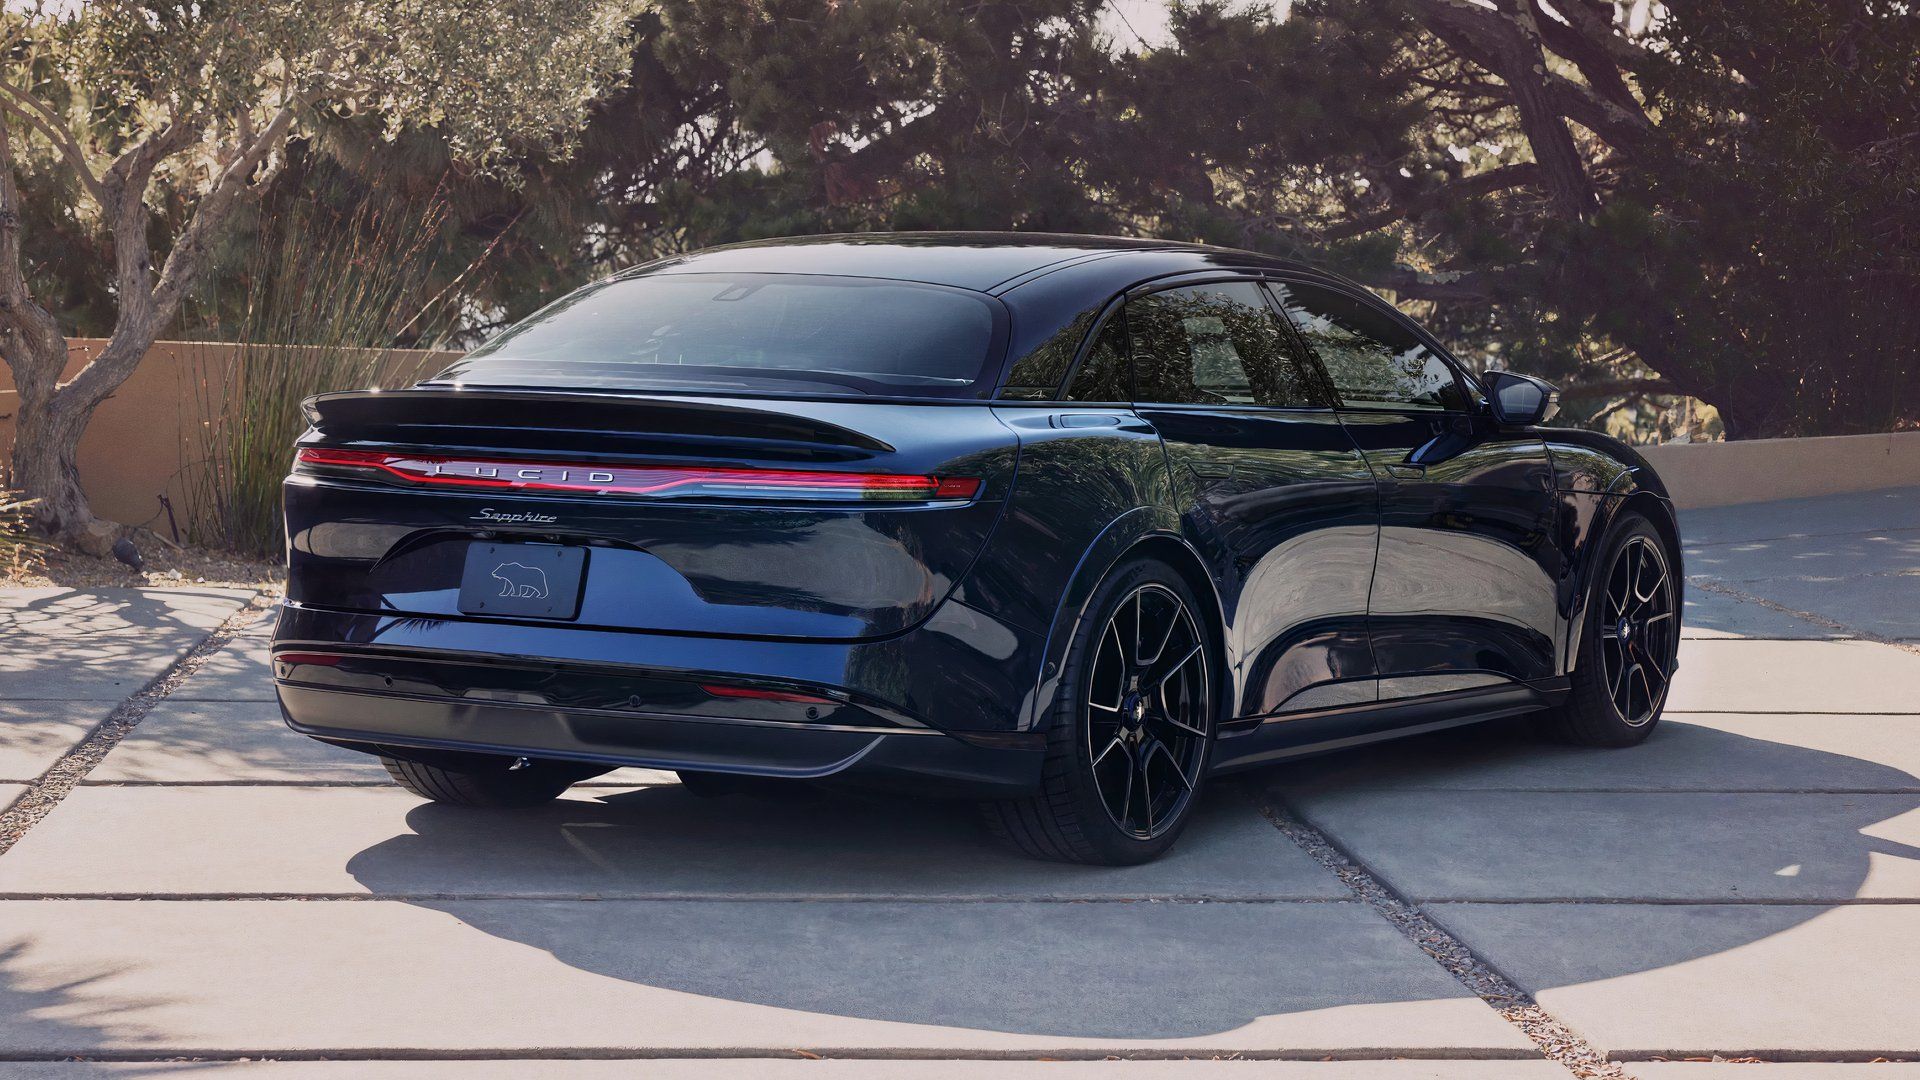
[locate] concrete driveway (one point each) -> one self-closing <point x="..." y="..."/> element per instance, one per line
<point x="187" y="880"/>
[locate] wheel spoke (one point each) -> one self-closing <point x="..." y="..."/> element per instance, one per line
<point x="1172" y="625"/>
<point x="1169" y="718"/>
<point x="1171" y="760"/>
<point x="1108" y="749"/>
<point x="1139" y="625"/>
<point x="1159" y="678"/>
<point x="1146" y="792"/>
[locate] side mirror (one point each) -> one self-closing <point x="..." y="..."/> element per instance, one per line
<point x="1520" y="400"/>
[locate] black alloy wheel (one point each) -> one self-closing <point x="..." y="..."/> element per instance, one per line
<point x="1132" y="728"/>
<point x="1628" y="644"/>
<point x="1148" y="711"/>
<point x="1637" y="625"/>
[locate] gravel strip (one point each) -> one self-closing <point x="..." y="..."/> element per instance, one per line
<point x="1557" y="1041"/>
<point x="63" y="775"/>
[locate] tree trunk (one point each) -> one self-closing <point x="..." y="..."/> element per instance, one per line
<point x="47" y="431"/>
<point x="46" y="442"/>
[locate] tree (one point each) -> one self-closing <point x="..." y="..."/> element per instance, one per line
<point x="124" y="98"/>
<point x="1729" y="189"/>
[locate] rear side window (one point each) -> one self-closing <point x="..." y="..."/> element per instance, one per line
<point x="1373" y="359"/>
<point x="1216" y="344"/>
<point x="1106" y="374"/>
<point x="779" y="332"/>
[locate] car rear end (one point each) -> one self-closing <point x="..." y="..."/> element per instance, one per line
<point x="572" y="555"/>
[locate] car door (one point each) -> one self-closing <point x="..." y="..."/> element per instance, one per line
<point x="1272" y="491"/>
<point x="1463" y="584"/>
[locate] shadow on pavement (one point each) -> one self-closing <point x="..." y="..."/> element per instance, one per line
<point x="1068" y="969"/>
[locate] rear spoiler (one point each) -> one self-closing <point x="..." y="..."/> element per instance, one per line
<point x="468" y="417"/>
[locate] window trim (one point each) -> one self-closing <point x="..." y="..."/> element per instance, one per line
<point x="1462" y="381"/>
<point x="1183" y="280"/>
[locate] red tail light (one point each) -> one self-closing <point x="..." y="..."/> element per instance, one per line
<point x="755" y="693"/>
<point x="645" y="481"/>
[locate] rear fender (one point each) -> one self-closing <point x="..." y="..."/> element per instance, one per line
<point x="1145" y="529"/>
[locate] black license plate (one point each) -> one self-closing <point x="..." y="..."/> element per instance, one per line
<point x="539" y="581"/>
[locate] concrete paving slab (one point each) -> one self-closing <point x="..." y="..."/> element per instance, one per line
<point x="66" y="612"/>
<point x="1503" y="845"/>
<point x="1845" y="556"/>
<point x="1687" y="752"/>
<point x="1694" y="980"/>
<point x="199" y="742"/>
<point x="1715" y="615"/>
<point x="10" y="792"/>
<point x="94" y="667"/>
<point x="213" y="841"/>
<point x="1888" y="509"/>
<point x="83" y="976"/>
<point x="1884" y="604"/>
<point x="33" y="734"/>
<point x="1795" y="676"/>
<point x="240" y="672"/>
<point x="776" y="1069"/>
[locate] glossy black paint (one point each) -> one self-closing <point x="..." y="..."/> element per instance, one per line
<point x="1368" y="572"/>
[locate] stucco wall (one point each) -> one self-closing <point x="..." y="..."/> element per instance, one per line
<point x="144" y="437"/>
<point x="1760" y="470"/>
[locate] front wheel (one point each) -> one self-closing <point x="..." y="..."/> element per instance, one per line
<point x="1628" y="644"/>
<point x="1131" y="734"/>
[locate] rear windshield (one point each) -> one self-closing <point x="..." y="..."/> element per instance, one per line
<point x="756" y="332"/>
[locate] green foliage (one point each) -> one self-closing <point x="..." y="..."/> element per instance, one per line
<point x="324" y="292"/>
<point x="1758" y="247"/>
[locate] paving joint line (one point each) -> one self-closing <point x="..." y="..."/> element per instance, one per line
<point x="1396" y="789"/>
<point x="926" y="899"/>
<point x="1555" y="1040"/>
<point x="830" y="1053"/>
<point x="58" y="781"/>
<point x="1723" y="589"/>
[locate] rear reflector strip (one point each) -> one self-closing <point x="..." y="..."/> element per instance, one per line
<point x="645" y="481"/>
<point x="757" y="694"/>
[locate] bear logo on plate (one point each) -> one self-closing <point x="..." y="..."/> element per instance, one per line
<point x="520" y="580"/>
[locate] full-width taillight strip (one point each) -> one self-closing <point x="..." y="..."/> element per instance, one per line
<point x="646" y="481"/>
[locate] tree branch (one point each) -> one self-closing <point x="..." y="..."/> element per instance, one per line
<point x="1475" y="285"/>
<point x="43" y="119"/>
<point x="1507" y="42"/>
<point x="142" y="319"/>
<point x="1503" y="178"/>
<point x="27" y="331"/>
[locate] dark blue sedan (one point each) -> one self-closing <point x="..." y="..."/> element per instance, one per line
<point x="1064" y="524"/>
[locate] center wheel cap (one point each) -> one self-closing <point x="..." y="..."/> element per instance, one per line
<point x="1134" y="709"/>
<point x="1624" y="631"/>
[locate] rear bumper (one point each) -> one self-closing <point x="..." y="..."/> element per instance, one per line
<point x="372" y="681"/>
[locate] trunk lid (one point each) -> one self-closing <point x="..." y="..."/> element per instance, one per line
<point x="755" y="517"/>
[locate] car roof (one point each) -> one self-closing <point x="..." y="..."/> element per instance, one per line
<point x="982" y="261"/>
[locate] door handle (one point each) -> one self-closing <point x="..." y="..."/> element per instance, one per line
<point x="1212" y="470"/>
<point x="1406" y="470"/>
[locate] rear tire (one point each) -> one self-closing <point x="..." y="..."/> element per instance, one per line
<point x="1628" y="642"/>
<point x="486" y="780"/>
<point x="1123" y="722"/>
